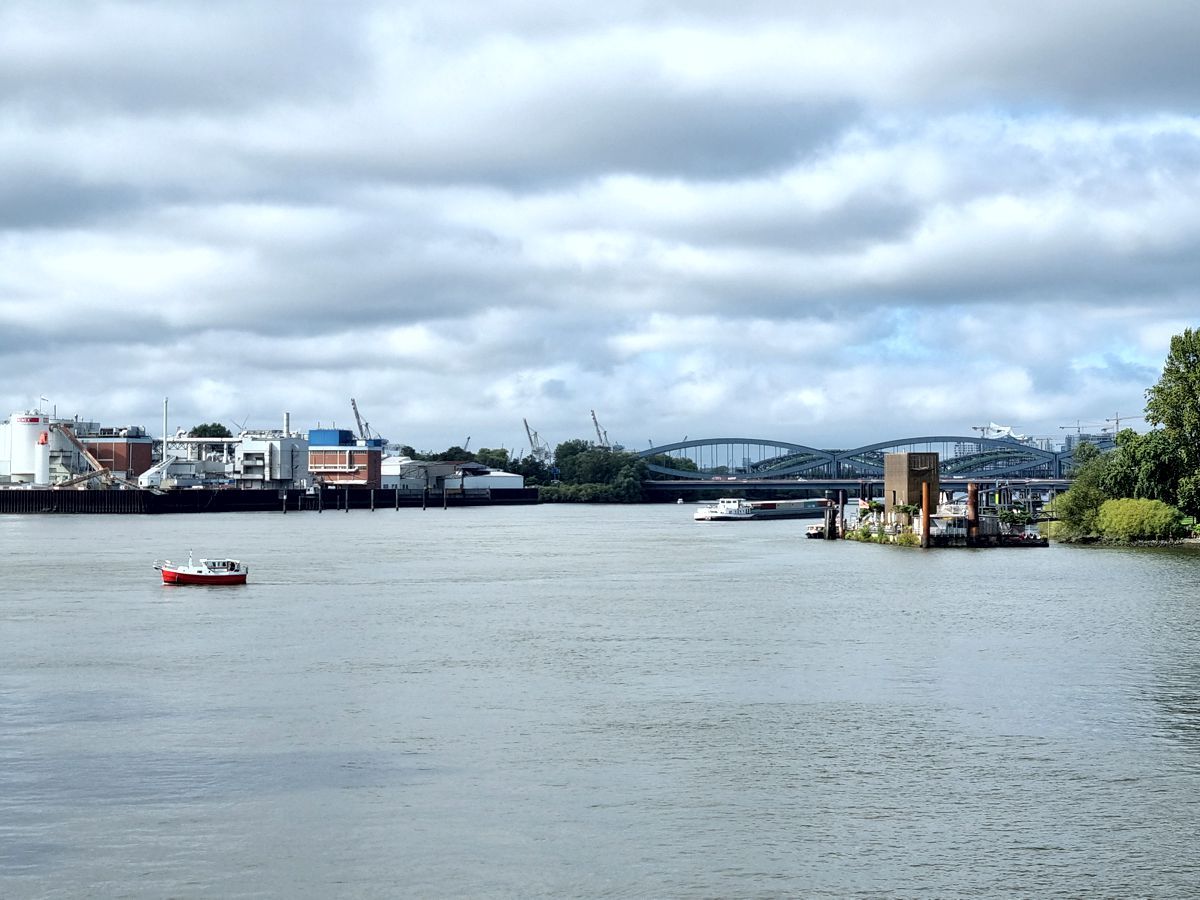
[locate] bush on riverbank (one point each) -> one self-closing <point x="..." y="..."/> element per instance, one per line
<point x="1089" y="511"/>
<point x="866" y="536"/>
<point x="1139" y="520"/>
<point x="625" y="491"/>
<point x="1119" y="521"/>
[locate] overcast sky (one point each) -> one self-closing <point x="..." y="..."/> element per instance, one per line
<point x="815" y="222"/>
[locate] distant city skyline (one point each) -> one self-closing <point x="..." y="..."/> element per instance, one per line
<point x="965" y="442"/>
<point x="819" y="222"/>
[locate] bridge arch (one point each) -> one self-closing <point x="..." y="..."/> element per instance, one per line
<point x="960" y="456"/>
<point x="749" y="457"/>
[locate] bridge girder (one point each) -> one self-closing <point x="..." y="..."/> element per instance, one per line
<point x="1023" y="460"/>
<point x="756" y="442"/>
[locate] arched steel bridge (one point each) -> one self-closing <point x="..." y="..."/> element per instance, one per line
<point x="757" y="461"/>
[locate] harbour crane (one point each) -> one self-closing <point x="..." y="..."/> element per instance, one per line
<point x="601" y="434"/>
<point x="538" y="448"/>
<point x="364" y="428"/>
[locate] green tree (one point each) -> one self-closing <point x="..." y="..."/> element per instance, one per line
<point x="1016" y="515"/>
<point x="1145" y="466"/>
<point x="1084" y="453"/>
<point x="1188" y="494"/>
<point x="679" y="463"/>
<point x="493" y="459"/>
<point x="591" y="474"/>
<point x="567" y="449"/>
<point x="211" y="430"/>
<point x="1076" y="510"/>
<point x="628" y="483"/>
<point x="532" y="470"/>
<point x="1131" y="519"/>
<point x="594" y="466"/>
<point x="1174" y="404"/>
<point x="452" y="454"/>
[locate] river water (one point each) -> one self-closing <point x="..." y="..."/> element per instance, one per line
<point x="570" y="701"/>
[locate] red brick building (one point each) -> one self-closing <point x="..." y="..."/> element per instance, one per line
<point x="123" y="455"/>
<point x="336" y="458"/>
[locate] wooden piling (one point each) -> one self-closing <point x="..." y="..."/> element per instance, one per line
<point x="925" y="517"/>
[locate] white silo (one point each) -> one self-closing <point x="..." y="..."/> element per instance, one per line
<point x="28" y="448"/>
<point x="41" y="458"/>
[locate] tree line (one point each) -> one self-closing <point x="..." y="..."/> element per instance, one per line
<point x="1148" y="487"/>
<point x="579" y="472"/>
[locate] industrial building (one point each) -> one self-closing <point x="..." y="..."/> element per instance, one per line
<point x="126" y="452"/>
<point x="339" y="459"/>
<point x="905" y="474"/>
<point x="270" y="460"/>
<point x="37" y="448"/>
<point x="41" y="450"/>
<point x="405" y="474"/>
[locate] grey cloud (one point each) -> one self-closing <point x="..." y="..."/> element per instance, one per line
<point x="562" y="138"/>
<point x="862" y="219"/>
<point x="376" y="284"/>
<point x="1115" y="368"/>
<point x="554" y="389"/>
<point x="78" y="59"/>
<point x="90" y="324"/>
<point x="307" y="207"/>
<point x="693" y="136"/>
<point x="1084" y="54"/>
<point x="49" y="201"/>
<point x="1094" y="55"/>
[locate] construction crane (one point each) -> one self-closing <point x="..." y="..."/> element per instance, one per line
<point x="538" y="448"/>
<point x="601" y="434"/>
<point x="1116" y="420"/>
<point x="1079" y="426"/>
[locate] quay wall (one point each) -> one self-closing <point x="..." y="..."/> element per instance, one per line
<point x="198" y="500"/>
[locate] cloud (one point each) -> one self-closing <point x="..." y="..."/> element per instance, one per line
<point x="77" y="60"/>
<point x="809" y="222"/>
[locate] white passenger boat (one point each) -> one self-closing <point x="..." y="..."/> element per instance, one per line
<point x="735" y="509"/>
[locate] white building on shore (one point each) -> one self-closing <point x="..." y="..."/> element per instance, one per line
<point x="416" y="475"/>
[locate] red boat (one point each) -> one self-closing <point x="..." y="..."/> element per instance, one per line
<point x="206" y="571"/>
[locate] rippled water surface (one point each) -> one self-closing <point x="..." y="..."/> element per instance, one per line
<point x="569" y="701"/>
